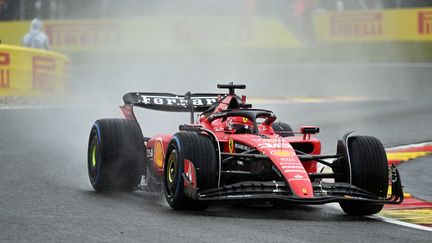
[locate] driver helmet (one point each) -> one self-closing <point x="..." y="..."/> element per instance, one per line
<point x="239" y="124"/>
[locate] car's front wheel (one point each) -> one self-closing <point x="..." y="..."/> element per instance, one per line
<point x="190" y="156"/>
<point x="369" y="171"/>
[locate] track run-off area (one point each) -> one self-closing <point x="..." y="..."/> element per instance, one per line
<point x="416" y="209"/>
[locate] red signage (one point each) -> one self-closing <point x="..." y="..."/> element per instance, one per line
<point x="43" y="73"/>
<point x="4" y="71"/>
<point x="83" y="34"/>
<point x="425" y="23"/>
<point x="356" y="24"/>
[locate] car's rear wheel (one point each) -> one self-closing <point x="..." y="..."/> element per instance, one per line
<point x="116" y="155"/>
<point x="283" y="129"/>
<point x="369" y="171"/>
<point x="200" y="151"/>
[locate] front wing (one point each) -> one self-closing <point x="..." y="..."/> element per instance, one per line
<point x="279" y="191"/>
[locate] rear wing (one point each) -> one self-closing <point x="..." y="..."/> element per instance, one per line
<point x="198" y="102"/>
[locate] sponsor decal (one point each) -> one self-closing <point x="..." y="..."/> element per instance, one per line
<point x="231" y="145"/>
<point x="425" y="23"/>
<point x="218" y="129"/>
<point x="292" y="167"/>
<point x="150" y="153"/>
<point x="4" y="70"/>
<point x="245" y="119"/>
<point x="304" y="190"/>
<point x="286" y="160"/>
<point x="282" y="153"/>
<point x="44" y="73"/>
<point x="176" y="101"/>
<point x="241" y="146"/>
<point x="189" y="170"/>
<point x="293" y="179"/>
<point x="274" y="145"/>
<point x="159" y="153"/>
<point x="83" y="34"/>
<point x="262" y="128"/>
<point x="357" y="24"/>
<point x="293" y="163"/>
<point x="294" y="171"/>
<point x="297" y="176"/>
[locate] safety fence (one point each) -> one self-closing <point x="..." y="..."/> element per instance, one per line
<point x="31" y="72"/>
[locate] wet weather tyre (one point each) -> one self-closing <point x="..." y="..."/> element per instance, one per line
<point x="116" y="155"/>
<point x="198" y="149"/>
<point x="369" y="169"/>
<point x="283" y="129"/>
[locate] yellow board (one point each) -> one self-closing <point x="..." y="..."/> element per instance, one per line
<point x="158" y="33"/>
<point x="386" y="25"/>
<point x="27" y="71"/>
<point x="415" y="216"/>
<point x="404" y="156"/>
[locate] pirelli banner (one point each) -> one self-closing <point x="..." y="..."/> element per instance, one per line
<point x="386" y="25"/>
<point x="158" y="33"/>
<point x="27" y="71"/>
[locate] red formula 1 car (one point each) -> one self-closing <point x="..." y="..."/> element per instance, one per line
<point x="234" y="153"/>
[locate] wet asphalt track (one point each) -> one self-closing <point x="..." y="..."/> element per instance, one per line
<point x="45" y="194"/>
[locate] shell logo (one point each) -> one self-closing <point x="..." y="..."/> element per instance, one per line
<point x="282" y="153"/>
<point x="159" y="154"/>
<point x="245" y="119"/>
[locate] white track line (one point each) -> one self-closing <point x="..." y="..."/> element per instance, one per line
<point x="401" y="223"/>
<point x="414" y="145"/>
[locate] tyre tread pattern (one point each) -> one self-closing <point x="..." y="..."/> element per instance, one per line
<point x="198" y="149"/>
<point x="122" y="155"/>
<point x="369" y="169"/>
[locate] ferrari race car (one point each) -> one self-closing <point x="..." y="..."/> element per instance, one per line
<point x="234" y="153"/>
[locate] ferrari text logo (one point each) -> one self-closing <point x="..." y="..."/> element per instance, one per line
<point x="176" y="101"/>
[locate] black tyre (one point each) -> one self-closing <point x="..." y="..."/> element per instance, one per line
<point x="199" y="149"/>
<point x="369" y="169"/>
<point x="116" y="155"/>
<point x="283" y="129"/>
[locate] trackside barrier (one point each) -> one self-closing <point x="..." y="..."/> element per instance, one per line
<point x="400" y="25"/>
<point x="32" y="72"/>
<point x="159" y="34"/>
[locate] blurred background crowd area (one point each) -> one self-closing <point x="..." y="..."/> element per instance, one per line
<point x="252" y="30"/>
<point x="67" y="9"/>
